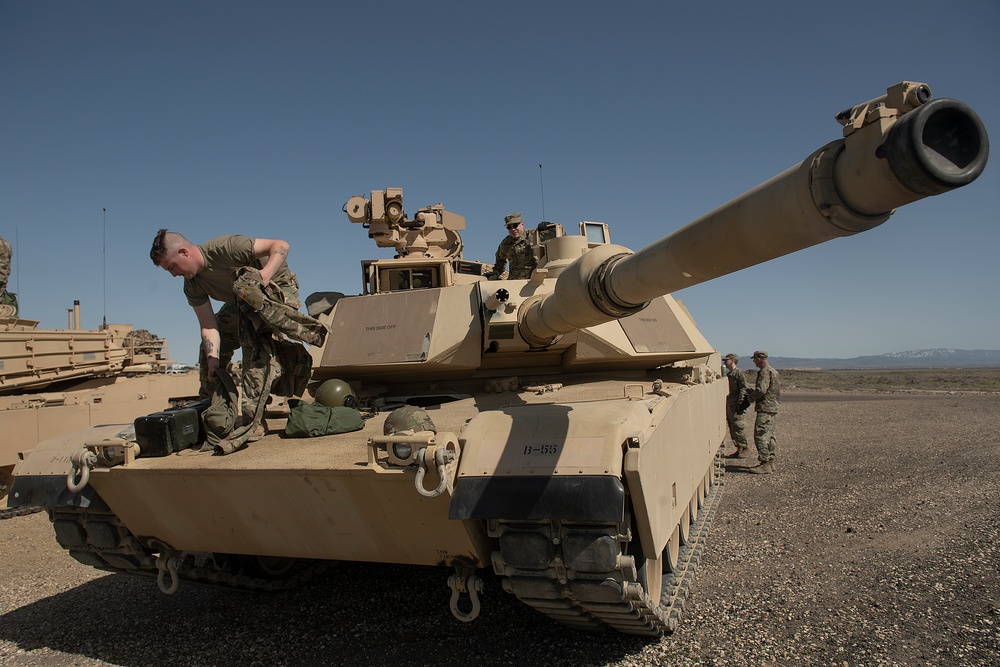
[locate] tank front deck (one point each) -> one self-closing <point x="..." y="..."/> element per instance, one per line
<point x="313" y="497"/>
<point x="349" y="451"/>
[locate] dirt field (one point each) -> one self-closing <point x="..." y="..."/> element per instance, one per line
<point x="875" y="543"/>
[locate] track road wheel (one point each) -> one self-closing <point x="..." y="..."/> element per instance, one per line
<point x="685" y="526"/>
<point x="671" y="552"/>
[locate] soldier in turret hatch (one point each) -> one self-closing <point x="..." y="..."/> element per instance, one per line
<point x="516" y="250"/>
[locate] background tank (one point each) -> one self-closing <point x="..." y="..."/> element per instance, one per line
<point x="56" y="381"/>
<point x="571" y="422"/>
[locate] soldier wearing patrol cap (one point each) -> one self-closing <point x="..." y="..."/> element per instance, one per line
<point x="514" y="249"/>
<point x="736" y="405"/>
<point x="766" y="394"/>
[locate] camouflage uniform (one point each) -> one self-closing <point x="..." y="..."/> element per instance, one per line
<point x="224" y="257"/>
<point x="8" y="301"/>
<point x="517" y="252"/>
<point x="738" y="389"/>
<point x="5" y="255"/>
<point x="766" y="394"/>
<point x="272" y="361"/>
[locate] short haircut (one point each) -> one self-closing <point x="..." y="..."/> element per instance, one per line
<point x="166" y="243"/>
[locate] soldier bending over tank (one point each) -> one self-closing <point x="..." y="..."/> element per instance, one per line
<point x="260" y="299"/>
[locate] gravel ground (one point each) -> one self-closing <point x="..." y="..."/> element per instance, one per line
<point x="875" y="543"/>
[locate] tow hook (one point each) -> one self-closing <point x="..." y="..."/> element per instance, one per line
<point x="167" y="563"/>
<point x="82" y="461"/>
<point x="440" y="457"/>
<point x="463" y="581"/>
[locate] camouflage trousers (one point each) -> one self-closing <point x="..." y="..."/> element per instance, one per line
<point x="264" y="323"/>
<point x="763" y="435"/>
<point x="737" y="428"/>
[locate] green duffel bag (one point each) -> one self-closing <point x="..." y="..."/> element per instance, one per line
<point x="307" y="420"/>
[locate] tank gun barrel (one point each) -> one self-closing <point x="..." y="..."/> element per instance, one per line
<point x="897" y="149"/>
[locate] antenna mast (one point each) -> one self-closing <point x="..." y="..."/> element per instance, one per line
<point x="104" y="268"/>
<point x="542" y="184"/>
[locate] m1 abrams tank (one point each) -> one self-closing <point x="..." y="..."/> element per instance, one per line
<point x="572" y="421"/>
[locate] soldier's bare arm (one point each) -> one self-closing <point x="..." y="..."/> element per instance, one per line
<point x="276" y="252"/>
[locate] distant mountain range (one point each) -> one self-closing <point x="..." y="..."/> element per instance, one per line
<point x="937" y="358"/>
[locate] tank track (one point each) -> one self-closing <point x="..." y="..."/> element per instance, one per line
<point x="95" y="536"/>
<point x="11" y="512"/>
<point x="582" y="576"/>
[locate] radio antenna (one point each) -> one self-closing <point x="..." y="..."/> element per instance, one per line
<point x="542" y="184"/>
<point x="104" y="261"/>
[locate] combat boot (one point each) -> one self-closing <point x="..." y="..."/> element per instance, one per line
<point x="762" y="468"/>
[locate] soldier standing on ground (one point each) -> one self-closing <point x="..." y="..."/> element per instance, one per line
<point x="735" y="406"/>
<point x="766" y="394"/>
<point x="514" y="249"/>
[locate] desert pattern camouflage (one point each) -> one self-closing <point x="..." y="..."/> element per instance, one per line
<point x="518" y="253"/>
<point x="738" y="389"/>
<point x="266" y="323"/>
<point x="767" y="390"/>
<point x="767" y="394"/>
<point x="5" y="255"/>
<point x="273" y="362"/>
<point x="8" y="301"/>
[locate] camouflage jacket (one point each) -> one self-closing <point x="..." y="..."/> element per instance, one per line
<point x="5" y="255"/>
<point x="518" y="253"/>
<point x="738" y="387"/>
<point x="767" y="391"/>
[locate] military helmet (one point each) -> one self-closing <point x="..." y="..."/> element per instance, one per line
<point x="408" y="418"/>
<point x="336" y="393"/>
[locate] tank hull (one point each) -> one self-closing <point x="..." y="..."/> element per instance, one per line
<point x="330" y="498"/>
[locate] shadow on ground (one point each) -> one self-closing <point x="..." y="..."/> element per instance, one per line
<point x="125" y="620"/>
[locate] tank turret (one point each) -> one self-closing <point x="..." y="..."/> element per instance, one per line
<point x="896" y="149"/>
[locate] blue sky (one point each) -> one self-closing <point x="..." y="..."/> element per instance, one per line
<point x="264" y="118"/>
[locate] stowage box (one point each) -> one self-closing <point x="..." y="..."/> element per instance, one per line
<point x="163" y="433"/>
